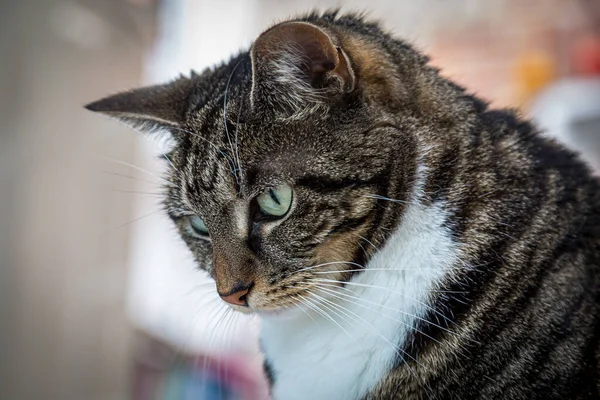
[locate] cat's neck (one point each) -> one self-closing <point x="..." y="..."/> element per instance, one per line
<point x="351" y="336"/>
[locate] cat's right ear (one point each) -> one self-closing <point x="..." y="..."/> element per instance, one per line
<point x="149" y="108"/>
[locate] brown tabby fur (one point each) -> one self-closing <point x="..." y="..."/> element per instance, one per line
<point x="523" y="323"/>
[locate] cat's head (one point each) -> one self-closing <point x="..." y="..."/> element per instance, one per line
<point x="283" y="155"/>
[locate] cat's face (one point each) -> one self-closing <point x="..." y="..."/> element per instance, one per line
<point x="294" y="196"/>
<point x="281" y="158"/>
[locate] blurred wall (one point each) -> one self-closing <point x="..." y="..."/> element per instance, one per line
<point x="64" y="333"/>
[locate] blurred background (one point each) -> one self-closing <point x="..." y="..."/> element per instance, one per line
<point x="98" y="297"/>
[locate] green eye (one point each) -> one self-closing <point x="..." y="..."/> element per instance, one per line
<point x="276" y="202"/>
<point x="197" y="226"/>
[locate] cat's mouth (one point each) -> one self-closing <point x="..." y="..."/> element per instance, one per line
<point x="243" y="309"/>
<point x="276" y="313"/>
<point x="280" y="313"/>
<point x="287" y="300"/>
<point x="268" y="311"/>
<point x="284" y="307"/>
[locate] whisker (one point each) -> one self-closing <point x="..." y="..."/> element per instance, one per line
<point x="397" y="270"/>
<point x="362" y="268"/>
<point x="389" y="290"/>
<point x="135" y="167"/>
<point x="132" y="221"/>
<point x="396" y="348"/>
<point x="227" y="156"/>
<point x="343" y="329"/>
<point x="367" y="269"/>
<point x="170" y="162"/>
<point x="368" y="241"/>
<point x="129" y="177"/>
<point x="138" y="192"/>
<point x="381" y="305"/>
<point x="229" y="334"/>
<point x="208" y="305"/>
<point x="336" y="294"/>
<point x="237" y="148"/>
<point x="299" y="299"/>
<point x="379" y="197"/>
<point x="487" y="194"/>
<point x="142" y="134"/>
<point x="314" y="306"/>
<point x="197" y="288"/>
<point x="225" y="112"/>
<point x="222" y="345"/>
<point x="211" y="337"/>
<point x="328" y="263"/>
<point x="363" y="249"/>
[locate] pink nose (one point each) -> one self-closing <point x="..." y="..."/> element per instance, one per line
<point x="239" y="297"/>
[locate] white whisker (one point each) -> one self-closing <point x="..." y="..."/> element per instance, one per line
<point x="132" y="221"/>
<point x="368" y="241"/>
<point x="396" y="348"/>
<point x="382" y="269"/>
<point x="336" y="294"/>
<point x="325" y="314"/>
<point x="237" y="147"/>
<point x="379" y="197"/>
<point x="236" y="167"/>
<point x="145" y="136"/>
<point x="389" y="290"/>
<point x="227" y="156"/>
<point x="299" y="299"/>
<point x="131" y="177"/>
<point x="210" y="338"/>
<point x="135" y="167"/>
<point x="328" y="263"/>
<point x="138" y="192"/>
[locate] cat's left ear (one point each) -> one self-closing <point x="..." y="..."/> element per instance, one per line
<point x="149" y="108"/>
<point x="298" y="63"/>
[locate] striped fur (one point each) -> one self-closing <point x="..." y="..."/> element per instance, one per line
<point x="463" y="238"/>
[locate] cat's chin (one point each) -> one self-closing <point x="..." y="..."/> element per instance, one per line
<point x="243" y="310"/>
<point x="279" y="314"/>
<point x="270" y="313"/>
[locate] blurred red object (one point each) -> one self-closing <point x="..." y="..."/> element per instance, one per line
<point x="586" y="56"/>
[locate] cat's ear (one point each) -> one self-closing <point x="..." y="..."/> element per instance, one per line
<point x="300" y="62"/>
<point x="149" y="108"/>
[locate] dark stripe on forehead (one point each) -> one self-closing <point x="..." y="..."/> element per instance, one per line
<point x="200" y="168"/>
<point x="214" y="148"/>
<point x="208" y="177"/>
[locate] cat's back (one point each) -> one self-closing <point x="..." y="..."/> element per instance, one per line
<point x="528" y="210"/>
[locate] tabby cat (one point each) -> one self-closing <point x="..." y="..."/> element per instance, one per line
<point x="396" y="237"/>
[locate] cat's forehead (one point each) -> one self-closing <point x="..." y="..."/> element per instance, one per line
<point x="231" y="123"/>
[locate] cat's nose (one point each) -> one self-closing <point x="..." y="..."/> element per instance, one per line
<point x="237" y="296"/>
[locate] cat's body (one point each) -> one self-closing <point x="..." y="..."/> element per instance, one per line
<point x="433" y="248"/>
<point x="520" y="316"/>
<point x="347" y="358"/>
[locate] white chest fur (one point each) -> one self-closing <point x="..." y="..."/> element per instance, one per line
<point x="321" y="359"/>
